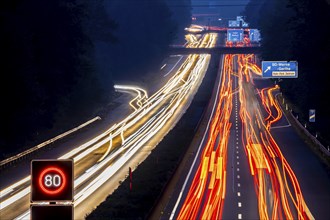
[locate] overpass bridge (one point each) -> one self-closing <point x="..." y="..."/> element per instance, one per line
<point x="219" y="30"/>
<point x="216" y="50"/>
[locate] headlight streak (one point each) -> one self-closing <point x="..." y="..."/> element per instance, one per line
<point x="80" y="196"/>
<point x="183" y="81"/>
<point x="138" y="101"/>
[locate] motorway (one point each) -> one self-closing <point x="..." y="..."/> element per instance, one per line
<point x="249" y="163"/>
<point x="98" y="161"/>
<point x="239" y="170"/>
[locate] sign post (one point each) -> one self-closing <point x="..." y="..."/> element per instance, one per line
<point x="311" y="115"/>
<point x="130" y="178"/>
<point x="235" y="35"/>
<point x="254" y="35"/>
<point x="51" y="182"/>
<point x="233" y="23"/>
<point x="279" y="69"/>
<point x="42" y="212"/>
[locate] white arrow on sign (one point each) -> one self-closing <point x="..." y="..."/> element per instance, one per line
<point x="268" y="68"/>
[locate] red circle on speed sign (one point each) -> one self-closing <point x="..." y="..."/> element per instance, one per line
<point x="52" y="180"/>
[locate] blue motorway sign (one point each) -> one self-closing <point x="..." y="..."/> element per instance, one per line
<point x="311" y="115"/>
<point x="254" y="35"/>
<point x="234" y="35"/>
<point x="244" y="24"/>
<point x="279" y="69"/>
<point x="233" y="23"/>
<point x="239" y="18"/>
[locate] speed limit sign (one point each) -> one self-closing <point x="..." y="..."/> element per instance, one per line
<point x="51" y="180"/>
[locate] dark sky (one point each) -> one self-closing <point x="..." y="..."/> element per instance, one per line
<point x="225" y="8"/>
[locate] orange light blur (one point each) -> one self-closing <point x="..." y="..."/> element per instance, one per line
<point x="213" y="160"/>
<point x="278" y="191"/>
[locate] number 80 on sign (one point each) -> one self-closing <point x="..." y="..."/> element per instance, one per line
<point x="51" y="180"/>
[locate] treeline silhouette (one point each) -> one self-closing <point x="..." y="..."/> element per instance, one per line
<point x="145" y="29"/>
<point x="59" y="59"/>
<point x="298" y="30"/>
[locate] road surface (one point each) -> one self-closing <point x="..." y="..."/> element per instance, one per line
<point x="246" y="164"/>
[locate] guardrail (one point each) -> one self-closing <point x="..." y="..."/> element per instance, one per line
<point x="43" y="144"/>
<point x="216" y="50"/>
<point x="308" y="134"/>
<point x="312" y="137"/>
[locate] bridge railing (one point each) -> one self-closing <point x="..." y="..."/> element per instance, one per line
<point x="218" y="50"/>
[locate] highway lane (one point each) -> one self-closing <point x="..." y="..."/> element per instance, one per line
<point x="278" y="191"/>
<point x="198" y="166"/>
<point x="310" y="171"/>
<point x="241" y="201"/>
<point x="259" y="181"/>
<point x="315" y="181"/>
<point x="131" y="134"/>
<point x="79" y="168"/>
<point x="207" y="199"/>
<point x="207" y="189"/>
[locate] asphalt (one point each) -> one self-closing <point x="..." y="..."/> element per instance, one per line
<point x="241" y="200"/>
<point x="311" y="172"/>
<point x="163" y="209"/>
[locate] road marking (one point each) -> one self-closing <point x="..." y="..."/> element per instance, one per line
<point x="239" y="204"/>
<point x="238" y="194"/>
<point x="238" y="184"/>
<point x="283" y="126"/>
<point x="237" y="163"/>
<point x="239" y="216"/>
<point x="237" y="169"/>
<point x="173" y="66"/>
<point x="238" y="176"/>
<point x="237" y="157"/>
